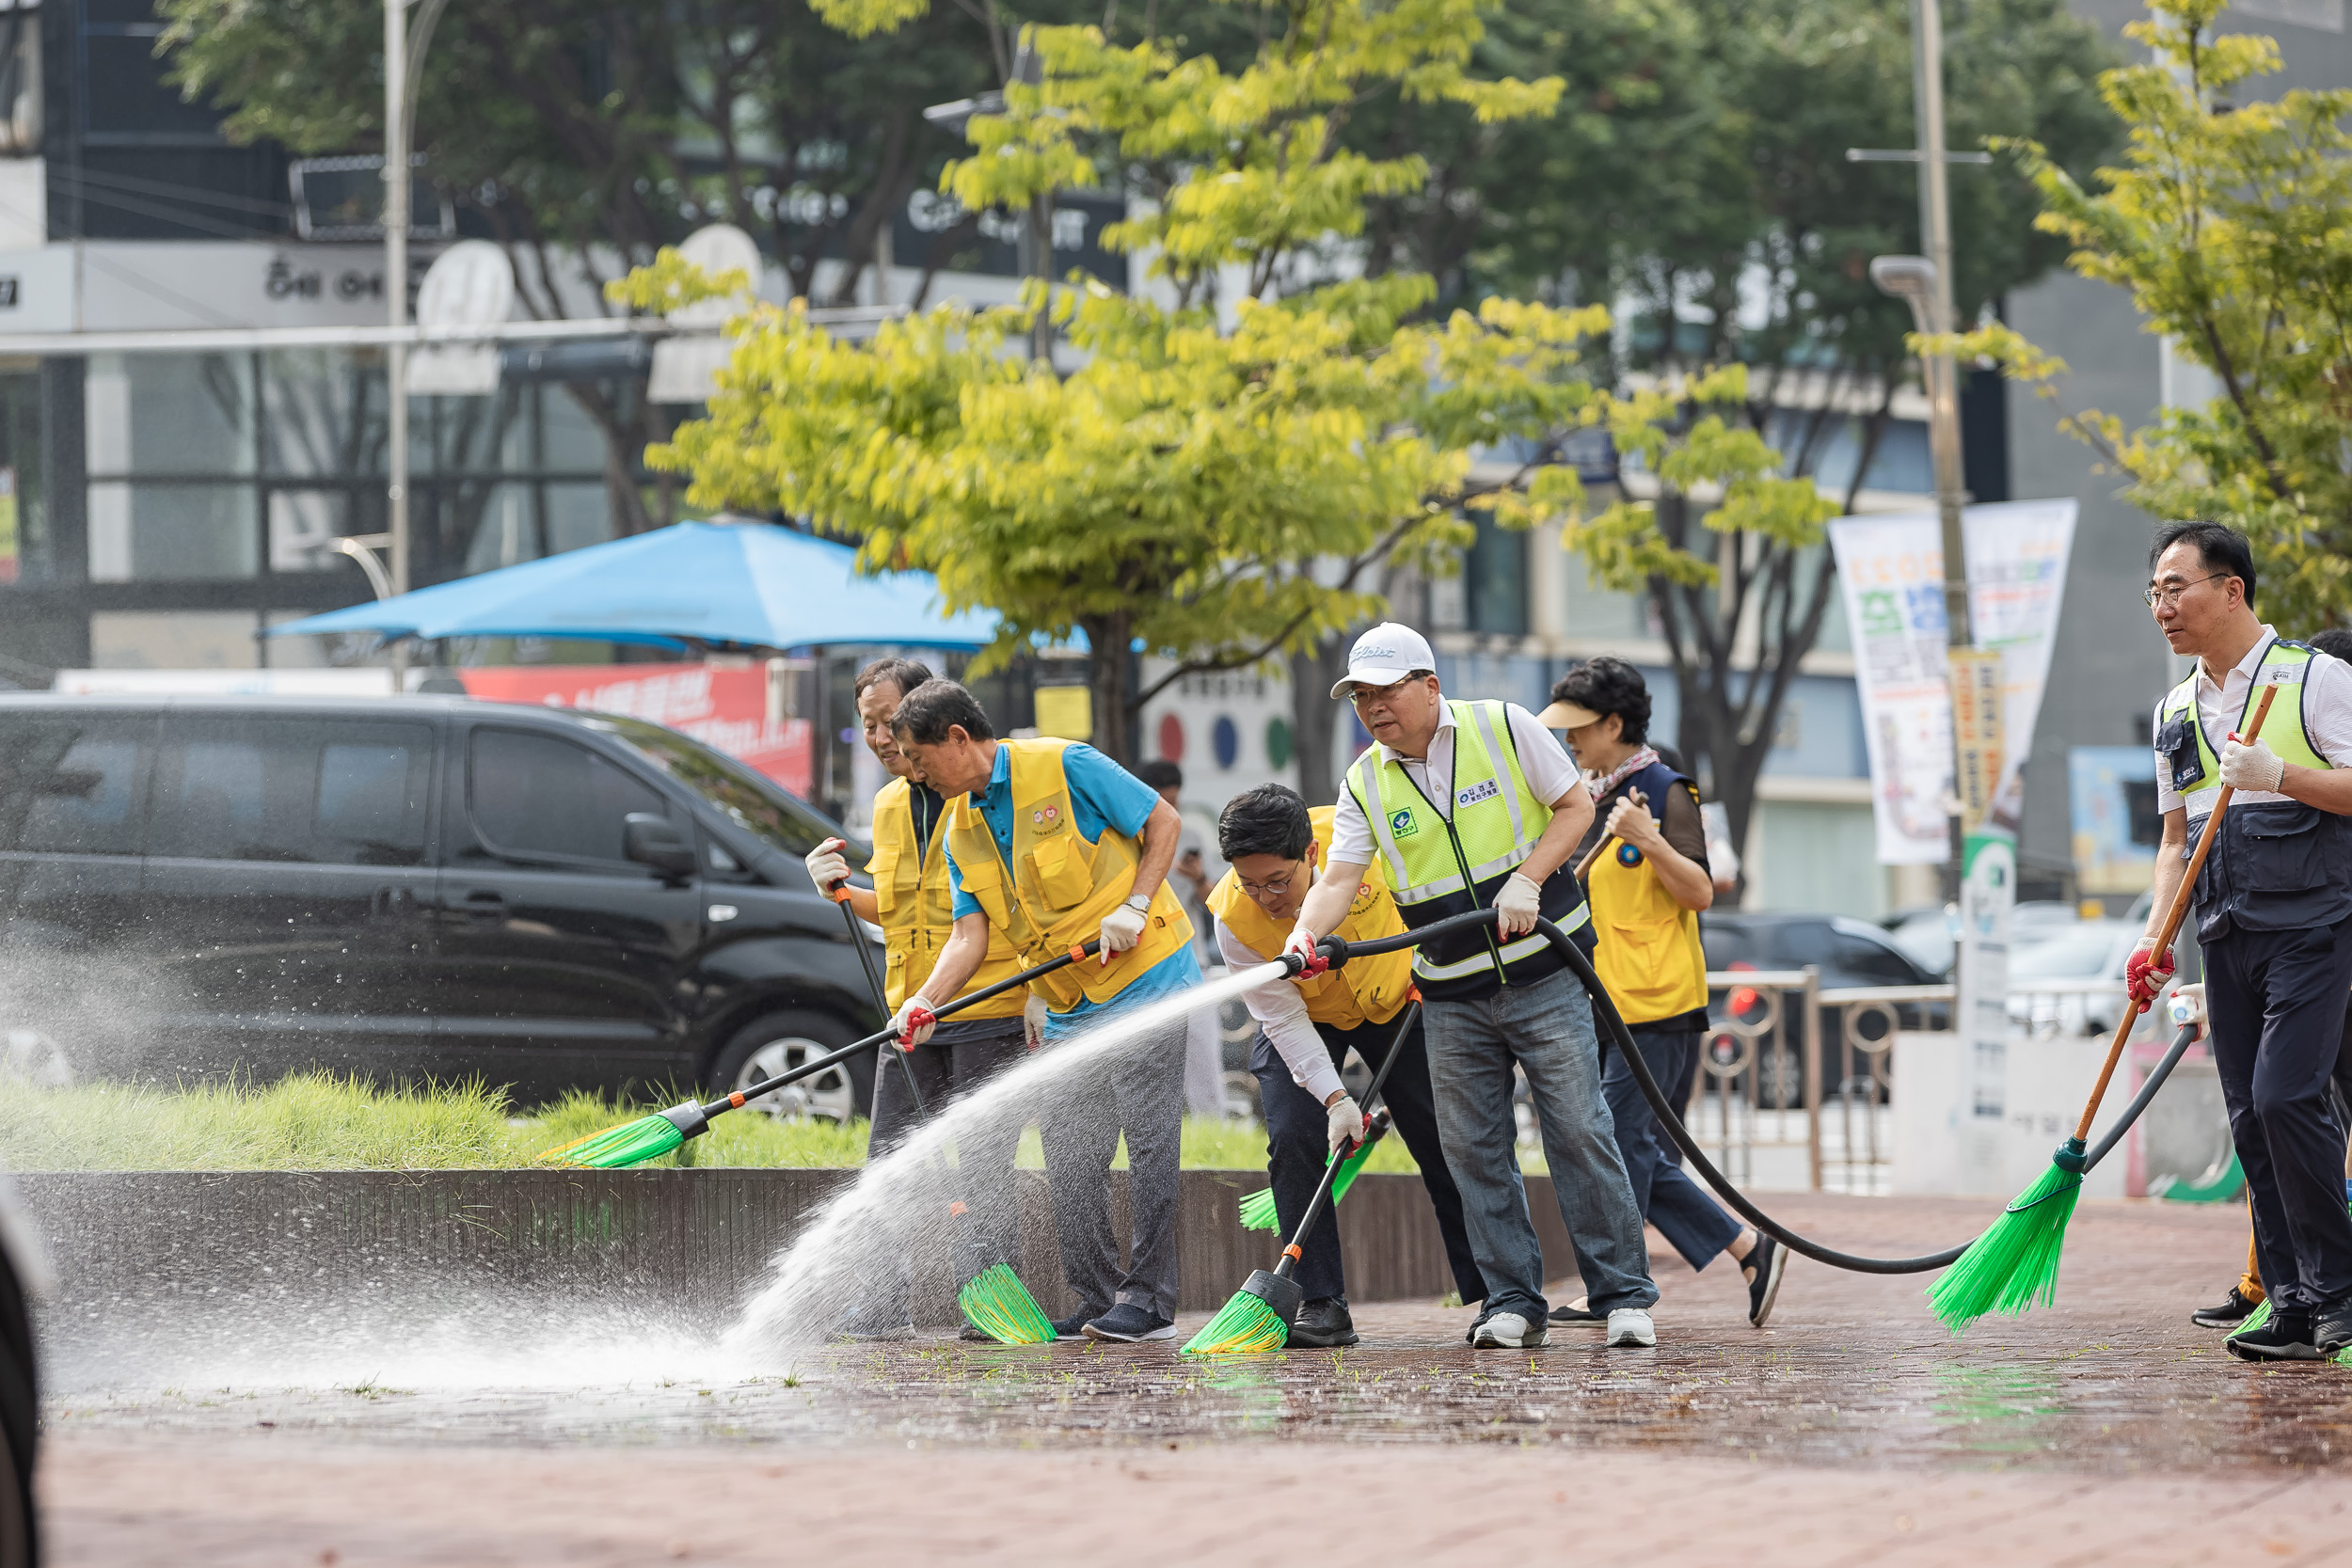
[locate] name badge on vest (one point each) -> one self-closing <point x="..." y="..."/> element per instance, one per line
<point x="1477" y="792"/>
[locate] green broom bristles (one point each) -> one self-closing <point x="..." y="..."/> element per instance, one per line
<point x="2012" y="1266"/>
<point x="1257" y="1210"/>
<point x="999" y="1306"/>
<point x="633" y="1143"/>
<point x="1245" y="1326"/>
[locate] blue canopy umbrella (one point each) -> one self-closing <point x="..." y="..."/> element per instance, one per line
<point x="718" y="584"/>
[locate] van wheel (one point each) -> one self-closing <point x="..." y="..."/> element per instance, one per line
<point x="782" y="1041"/>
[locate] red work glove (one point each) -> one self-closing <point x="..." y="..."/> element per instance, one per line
<point x="2144" y="974"/>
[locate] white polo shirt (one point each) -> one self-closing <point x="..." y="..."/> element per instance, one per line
<point x="2327" y="714"/>
<point x="1551" y="773"/>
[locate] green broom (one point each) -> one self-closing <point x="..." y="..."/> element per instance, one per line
<point x="1257" y="1210"/>
<point x="649" y="1137"/>
<point x="1258" y="1317"/>
<point x="2013" y="1266"/>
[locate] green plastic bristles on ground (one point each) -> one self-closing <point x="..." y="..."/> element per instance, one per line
<point x="2013" y="1266"/>
<point x="1245" y="1326"/>
<point x="633" y="1143"/>
<point x="999" y="1306"/>
<point x="1257" y="1210"/>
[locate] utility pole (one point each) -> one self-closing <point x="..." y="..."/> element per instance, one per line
<point x="396" y="209"/>
<point x="1943" y="372"/>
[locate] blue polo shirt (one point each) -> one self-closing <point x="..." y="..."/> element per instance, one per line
<point x="1103" y="797"/>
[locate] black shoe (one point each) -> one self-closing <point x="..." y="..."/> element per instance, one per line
<point x="1322" y="1324"/>
<point x="2281" y="1337"/>
<point x="1074" y="1326"/>
<point x="2233" y="1309"/>
<point x="1765" y="1263"/>
<point x="1128" y="1325"/>
<point x="2332" y="1329"/>
<point x="1574" y="1314"/>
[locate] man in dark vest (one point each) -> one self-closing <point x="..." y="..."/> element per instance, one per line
<point x="2274" y="914"/>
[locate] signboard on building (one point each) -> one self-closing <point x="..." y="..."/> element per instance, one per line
<point x="726" y="709"/>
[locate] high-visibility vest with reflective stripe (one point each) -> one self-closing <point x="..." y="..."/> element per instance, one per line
<point x="1647" y="952"/>
<point x="1363" y="990"/>
<point x="1057" y="890"/>
<point x="2279" y="865"/>
<point x="916" y="905"/>
<point x="1445" y="863"/>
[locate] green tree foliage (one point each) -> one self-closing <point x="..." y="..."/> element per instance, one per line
<point x="2227" y="220"/>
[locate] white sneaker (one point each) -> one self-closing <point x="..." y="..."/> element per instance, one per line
<point x="1630" y="1326"/>
<point x="1508" y="1331"/>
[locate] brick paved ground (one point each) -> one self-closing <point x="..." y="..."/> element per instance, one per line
<point x="1853" y="1431"/>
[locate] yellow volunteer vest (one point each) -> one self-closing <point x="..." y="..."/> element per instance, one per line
<point x="1058" y="887"/>
<point x="916" y="903"/>
<point x="1646" y="944"/>
<point x="1366" y="991"/>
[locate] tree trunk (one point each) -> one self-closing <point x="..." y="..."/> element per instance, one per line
<point x="1107" y="639"/>
<point x="1312" y="718"/>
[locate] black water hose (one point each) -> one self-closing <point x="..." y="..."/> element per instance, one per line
<point x="1605" y="1011"/>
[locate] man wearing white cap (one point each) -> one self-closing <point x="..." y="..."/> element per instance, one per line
<point x="1475" y="805"/>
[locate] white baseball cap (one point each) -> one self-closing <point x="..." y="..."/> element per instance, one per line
<point x="1384" y="656"/>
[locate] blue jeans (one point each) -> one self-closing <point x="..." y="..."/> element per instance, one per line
<point x="1669" y="1199"/>
<point x="1546" y="1029"/>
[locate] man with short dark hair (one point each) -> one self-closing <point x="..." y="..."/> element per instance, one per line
<point x="2274" y="914"/>
<point x="1644" y="861"/>
<point x="1275" y="847"/>
<point x="1052" y="845"/>
<point x="910" y="901"/>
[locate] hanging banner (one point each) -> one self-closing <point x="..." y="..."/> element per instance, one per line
<point x="1890" y="572"/>
<point x="2017" y="558"/>
<point x="725" y="708"/>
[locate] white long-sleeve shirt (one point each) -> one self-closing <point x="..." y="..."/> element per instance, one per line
<point x="1282" y="1012"/>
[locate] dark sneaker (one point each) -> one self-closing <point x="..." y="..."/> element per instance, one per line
<point x="1128" y="1325"/>
<point x="1322" y="1324"/>
<point x="1074" y="1326"/>
<point x="2280" y="1337"/>
<point x="1763" y="1265"/>
<point x="2332" y="1329"/>
<point x="2234" y="1309"/>
<point x="1578" y="1311"/>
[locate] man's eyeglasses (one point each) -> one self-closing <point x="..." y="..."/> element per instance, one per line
<point x="1371" y="696"/>
<point x="2171" y="593"/>
<point x="1274" y="887"/>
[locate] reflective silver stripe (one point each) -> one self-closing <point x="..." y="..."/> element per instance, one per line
<point x="1443" y="887"/>
<point x="1512" y="862"/>
<point x="1526" y="947"/>
<point x="1483" y="717"/>
<point x="1367" y="770"/>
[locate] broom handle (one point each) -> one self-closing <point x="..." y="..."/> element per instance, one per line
<point x="2172" y="918"/>
<point x="1585" y="866"/>
<point x="1331" y="1166"/>
<point x="873" y="983"/>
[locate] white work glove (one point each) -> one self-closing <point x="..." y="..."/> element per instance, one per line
<point x="1033" y="1021"/>
<point x="1345" y="1123"/>
<point x="1122" y="929"/>
<point x="912" y="1022"/>
<point x="1520" y="902"/>
<point x="2250" y="766"/>
<point x="825" y="865"/>
<point x="1301" y="941"/>
<point x="2189" y="1006"/>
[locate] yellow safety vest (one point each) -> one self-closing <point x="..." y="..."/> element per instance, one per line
<point x="1364" y="990"/>
<point x="1648" y="952"/>
<point x="916" y="905"/>
<point x="1058" y="887"/>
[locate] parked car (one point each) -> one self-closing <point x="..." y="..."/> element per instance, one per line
<point x="1851" y="953"/>
<point x="1925" y="932"/>
<point x="2090" y="953"/>
<point x="412" y="888"/>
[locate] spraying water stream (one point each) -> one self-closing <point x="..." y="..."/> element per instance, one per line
<point x="856" y="1249"/>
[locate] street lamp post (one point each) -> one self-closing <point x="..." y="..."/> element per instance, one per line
<point x="403" y="58"/>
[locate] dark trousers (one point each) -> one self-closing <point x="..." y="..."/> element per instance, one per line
<point x="946" y="1070"/>
<point x="1142" y="1093"/>
<point x="1298" y="1149"/>
<point x="2277" y="1006"/>
<point x="1677" y="1206"/>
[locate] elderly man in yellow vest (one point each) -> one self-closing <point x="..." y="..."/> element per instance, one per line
<point x="1644" y="866"/>
<point x="1274" y="845"/>
<point x="910" y="901"/>
<point x="1474" y="805"/>
<point x="1052" y="845"/>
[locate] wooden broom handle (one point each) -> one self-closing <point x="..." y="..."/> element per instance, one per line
<point x="1584" y="866"/>
<point x="2172" y="918"/>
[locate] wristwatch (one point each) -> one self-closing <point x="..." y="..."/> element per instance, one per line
<point x="1138" y="902"/>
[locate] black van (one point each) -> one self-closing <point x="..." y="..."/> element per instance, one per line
<point x="410" y="888"/>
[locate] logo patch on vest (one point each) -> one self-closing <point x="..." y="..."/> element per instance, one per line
<point x="1045" y="815"/>
<point x="1478" y="792"/>
<point x="1402" y="824"/>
